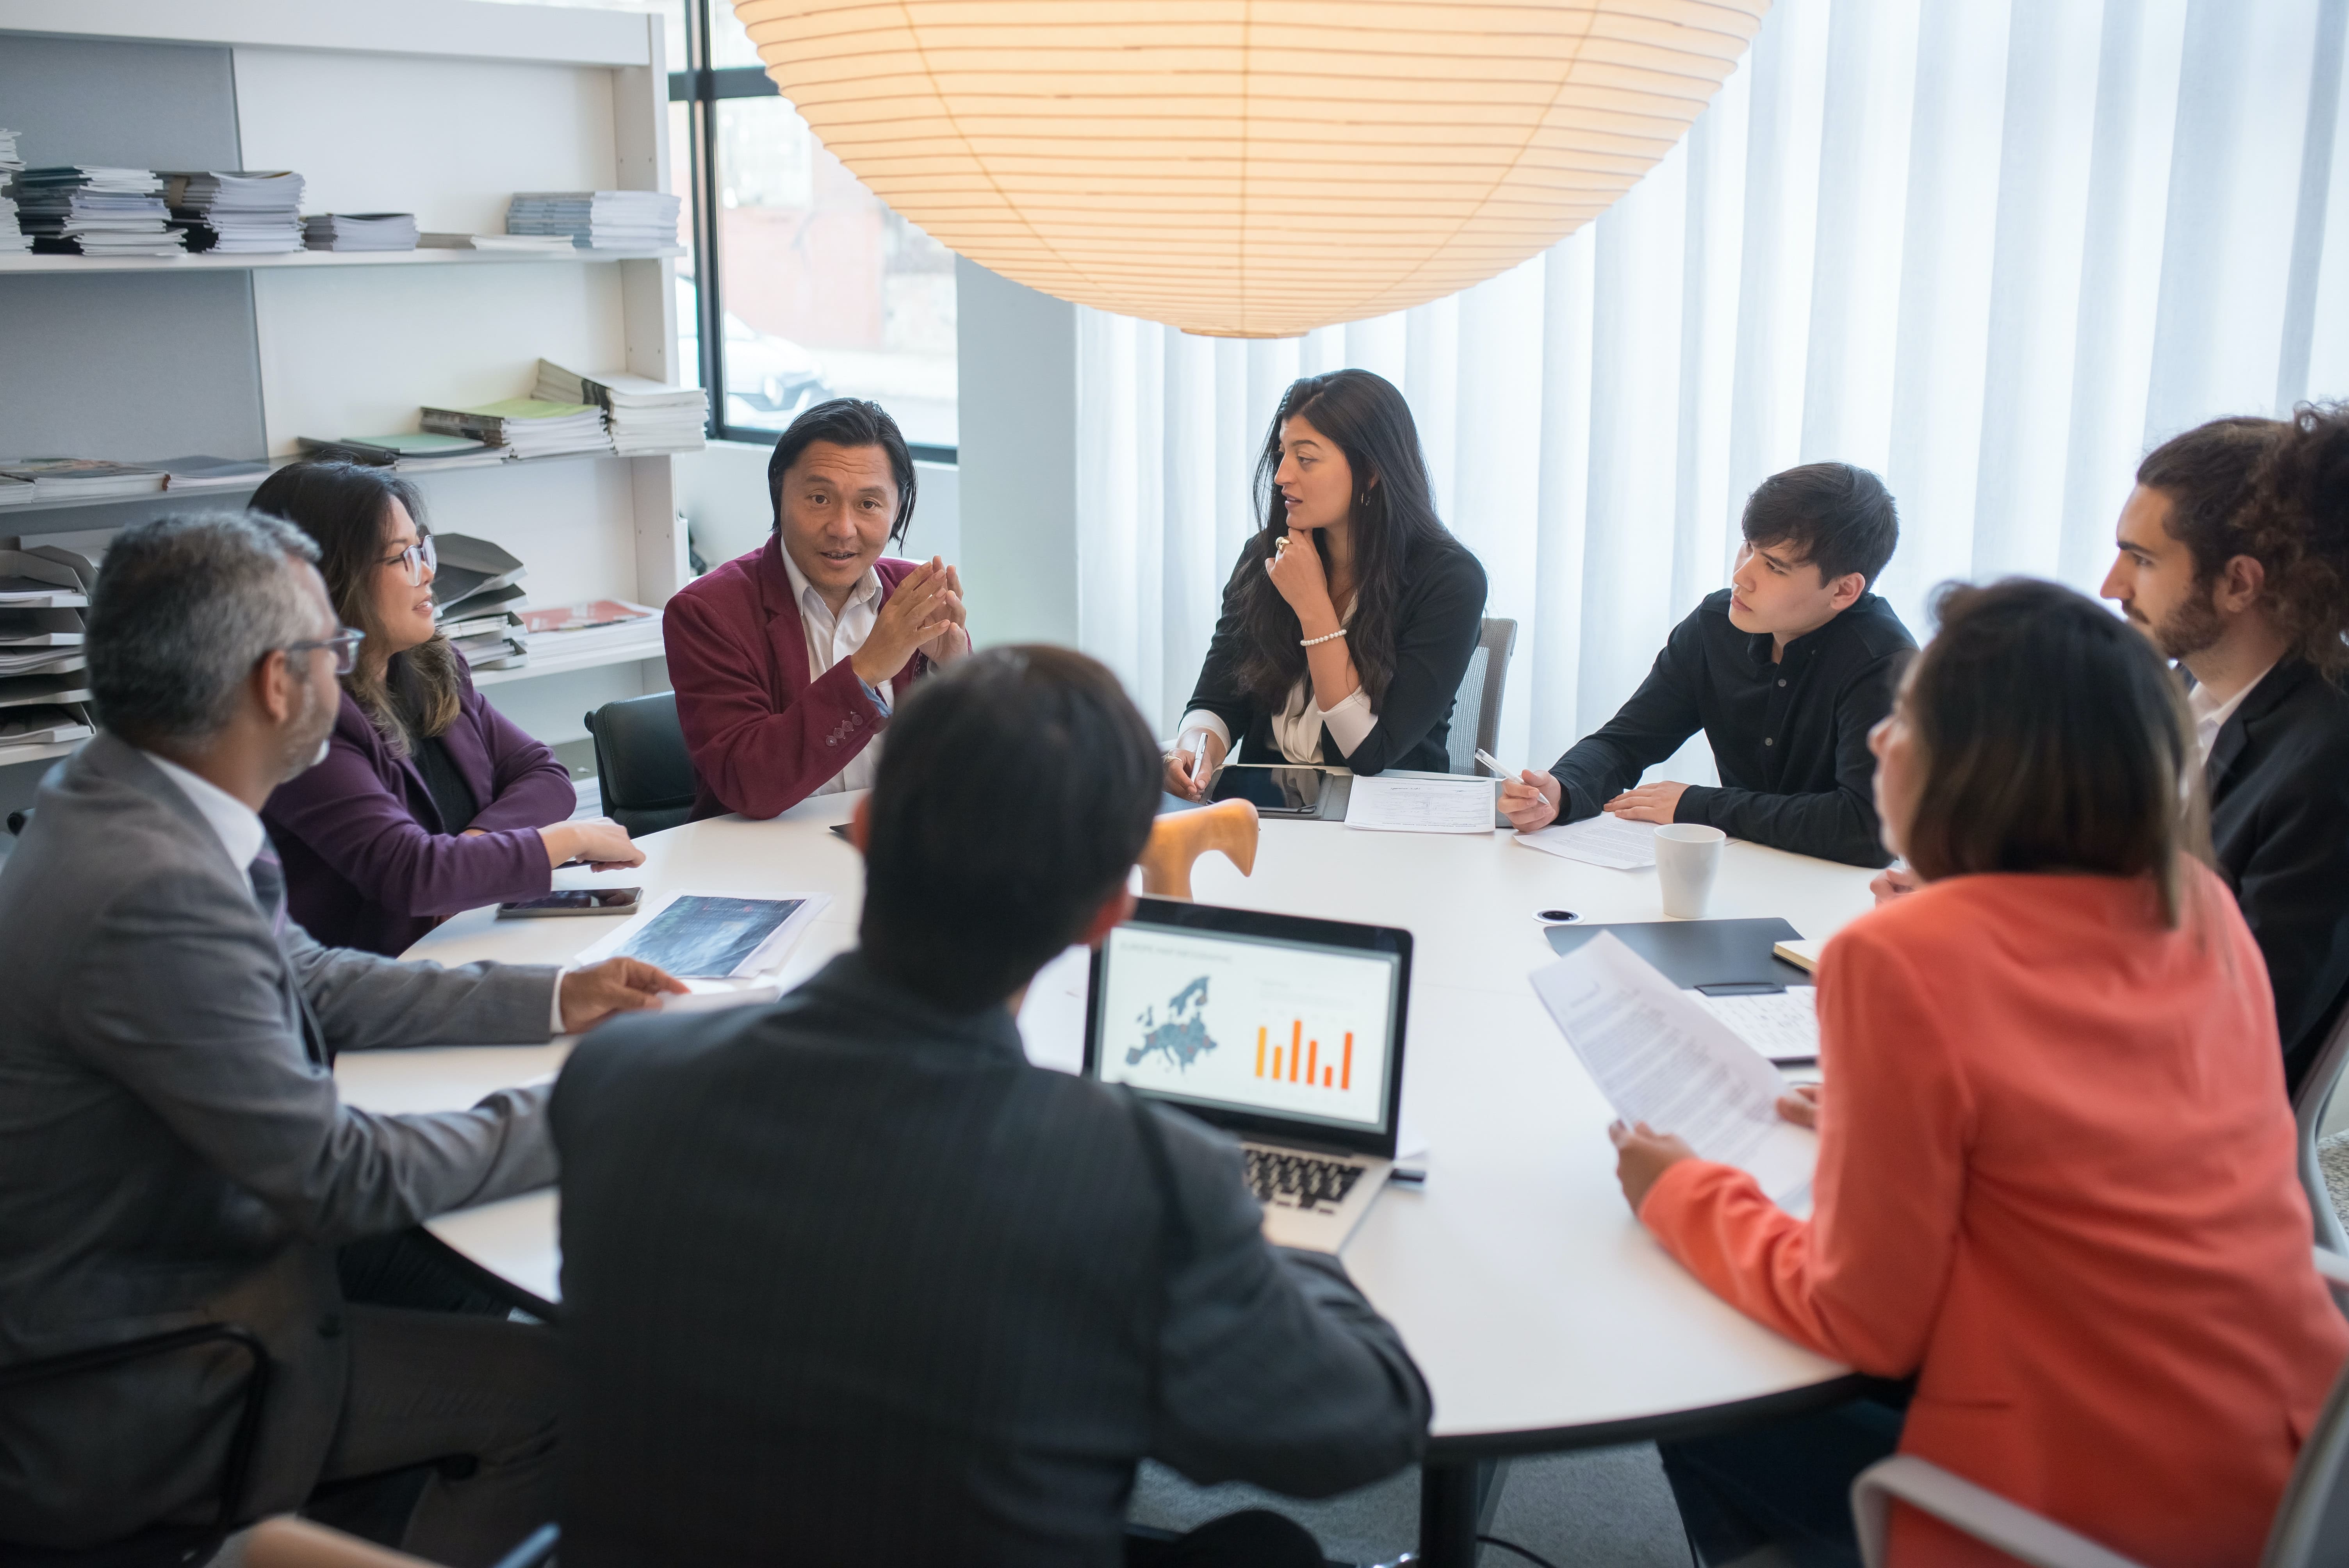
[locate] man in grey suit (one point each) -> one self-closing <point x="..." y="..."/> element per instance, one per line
<point x="172" y="1152"/>
<point x="847" y="1280"/>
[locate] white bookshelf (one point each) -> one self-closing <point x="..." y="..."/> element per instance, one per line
<point x="443" y="109"/>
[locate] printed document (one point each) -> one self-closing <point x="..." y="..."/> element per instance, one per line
<point x="1421" y="805"/>
<point x="1661" y="1058"/>
<point x="1600" y="841"/>
<point x="1781" y="1025"/>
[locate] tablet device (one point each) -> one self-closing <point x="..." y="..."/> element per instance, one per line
<point x="1277" y="790"/>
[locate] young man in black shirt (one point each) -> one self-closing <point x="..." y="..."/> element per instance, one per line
<point x="1786" y="671"/>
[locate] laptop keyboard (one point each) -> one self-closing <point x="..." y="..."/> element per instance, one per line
<point x="1297" y="1181"/>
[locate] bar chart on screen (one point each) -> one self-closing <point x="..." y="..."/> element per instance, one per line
<point x="1269" y="1026"/>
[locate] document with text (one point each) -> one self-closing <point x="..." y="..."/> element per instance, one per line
<point x="1601" y="841"/>
<point x="1421" y="805"/>
<point x="1781" y="1025"/>
<point x="1661" y="1058"/>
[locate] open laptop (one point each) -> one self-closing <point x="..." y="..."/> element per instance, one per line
<point x="1286" y="1031"/>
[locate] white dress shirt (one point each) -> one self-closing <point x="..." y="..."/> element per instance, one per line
<point x="238" y="827"/>
<point x="830" y="639"/>
<point x="2210" y="717"/>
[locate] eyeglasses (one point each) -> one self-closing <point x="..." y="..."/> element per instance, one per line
<point x="419" y="558"/>
<point x="345" y="642"/>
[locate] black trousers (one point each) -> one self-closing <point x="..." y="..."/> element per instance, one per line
<point x="1256" y="1538"/>
<point x="1786" y="1485"/>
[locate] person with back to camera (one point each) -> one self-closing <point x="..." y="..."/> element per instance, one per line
<point x="1784" y="671"/>
<point x="2057" y="1180"/>
<point x="789" y="660"/>
<point x="428" y="801"/>
<point x="1352" y="613"/>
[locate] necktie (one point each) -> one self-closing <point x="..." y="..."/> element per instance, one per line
<point x="268" y="874"/>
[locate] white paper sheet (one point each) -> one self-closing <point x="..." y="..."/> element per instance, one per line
<point x="1781" y="1025"/>
<point x="1600" y="841"/>
<point x="1661" y="1058"/>
<point x="1421" y="805"/>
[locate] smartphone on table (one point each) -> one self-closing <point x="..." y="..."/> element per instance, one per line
<point x="574" y="900"/>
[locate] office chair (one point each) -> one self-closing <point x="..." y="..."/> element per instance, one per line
<point x="641" y="763"/>
<point x="2308" y="1106"/>
<point x="1477" y="710"/>
<point x="291" y="1543"/>
<point x="163" y="1544"/>
<point x="2311" y="1520"/>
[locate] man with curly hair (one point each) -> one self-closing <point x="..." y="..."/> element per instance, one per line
<point x="2234" y="560"/>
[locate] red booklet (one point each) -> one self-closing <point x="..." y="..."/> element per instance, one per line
<point x="583" y="617"/>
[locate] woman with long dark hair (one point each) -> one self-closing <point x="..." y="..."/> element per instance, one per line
<point x="1353" y="612"/>
<point x="427" y="800"/>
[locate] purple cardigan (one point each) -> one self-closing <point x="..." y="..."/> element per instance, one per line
<point x="368" y="861"/>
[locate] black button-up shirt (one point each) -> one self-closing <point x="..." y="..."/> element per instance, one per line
<point x="1790" y="738"/>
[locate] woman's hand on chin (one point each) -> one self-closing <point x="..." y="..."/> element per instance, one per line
<point x="1296" y="569"/>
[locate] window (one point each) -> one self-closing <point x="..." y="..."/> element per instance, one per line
<point x="801" y="285"/>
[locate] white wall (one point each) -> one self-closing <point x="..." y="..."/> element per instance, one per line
<point x="1019" y="416"/>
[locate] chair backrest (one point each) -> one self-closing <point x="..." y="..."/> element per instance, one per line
<point x="2311" y="1521"/>
<point x="2308" y="1106"/>
<point x="641" y="763"/>
<point x="1477" y="710"/>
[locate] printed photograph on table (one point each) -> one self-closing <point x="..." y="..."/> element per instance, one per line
<point x="711" y="935"/>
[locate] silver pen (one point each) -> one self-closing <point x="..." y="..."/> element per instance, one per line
<point x="1493" y="762"/>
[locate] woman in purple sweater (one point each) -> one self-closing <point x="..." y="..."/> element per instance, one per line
<point x="427" y="800"/>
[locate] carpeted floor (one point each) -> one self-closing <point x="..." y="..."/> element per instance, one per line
<point x="2333" y="1155"/>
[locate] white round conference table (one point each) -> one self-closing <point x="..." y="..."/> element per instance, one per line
<point x="1542" y="1314"/>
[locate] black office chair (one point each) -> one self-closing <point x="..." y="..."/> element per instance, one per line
<point x="163" y="1545"/>
<point x="641" y="763"/>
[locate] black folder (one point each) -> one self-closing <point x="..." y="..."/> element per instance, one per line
<point x="1722" y="956"/>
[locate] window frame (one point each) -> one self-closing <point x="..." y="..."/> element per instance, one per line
<point x="702" y="87"/>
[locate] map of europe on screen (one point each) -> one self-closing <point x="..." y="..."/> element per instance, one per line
<point x="1183" y="1038"/>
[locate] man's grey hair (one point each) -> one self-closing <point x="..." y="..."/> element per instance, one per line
<point x="183" y="610"/>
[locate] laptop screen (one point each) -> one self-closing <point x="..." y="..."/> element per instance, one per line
<point x="1279" y="1022"/>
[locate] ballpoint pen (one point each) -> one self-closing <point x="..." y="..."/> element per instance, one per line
<point x="1493" y="762"/>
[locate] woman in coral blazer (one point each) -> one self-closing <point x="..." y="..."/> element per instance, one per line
<point x="2057" y="1175"/>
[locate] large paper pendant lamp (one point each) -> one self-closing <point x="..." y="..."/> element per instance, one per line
<point x="1249" y="168"/>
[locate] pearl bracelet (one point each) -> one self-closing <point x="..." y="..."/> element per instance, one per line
<point x="1317" y="642"/>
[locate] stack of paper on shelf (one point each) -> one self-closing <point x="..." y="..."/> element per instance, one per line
<point x="556" y="244"/>
<point x="237" y="215"/>
<point x="562" y="629"/>
<point x="476" y="601"/>
<point x="598" y="219"/>
<point x="13" y="238"/>
<point x="359" y="231"/>
<point x="85" y="210"/>
<point x="43" y="687"/>
<point x="207" y="474"/>
<point x="644" y="415"/>
<point x="407" y="452"/>
<point x="16" y="492"/>
<point x="526" y="426"/>
<point x="81" y="478"/>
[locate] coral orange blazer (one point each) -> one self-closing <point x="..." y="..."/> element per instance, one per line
<point x="2056" y="1181"/>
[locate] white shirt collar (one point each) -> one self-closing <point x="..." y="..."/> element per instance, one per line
<point x="803" y="592"/>
<point x="234" y="823"/>
<point x="2210" y="717"/>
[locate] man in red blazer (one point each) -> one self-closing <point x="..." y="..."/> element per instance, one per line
<point x="787" y="661"/>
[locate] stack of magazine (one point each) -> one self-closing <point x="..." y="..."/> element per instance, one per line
<point x="52" y="479"/>
<point x="526" y="426"/>
<point x="646" y="416"/>
<point x="44" y="689"/>
<point x="359" y="231"/>
<point x="561" y="629"/>
<point x="237" y="215"/>
<point x="598" y="219"/>
<point x="13" y="240"/>
<point x="408" y="452"/>
<point x="85" y="210"/>
<point x="478" y="602"/>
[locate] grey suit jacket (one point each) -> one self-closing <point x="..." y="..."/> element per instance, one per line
<point x="847" y="1280"/>
<point x="172" y="1153"/>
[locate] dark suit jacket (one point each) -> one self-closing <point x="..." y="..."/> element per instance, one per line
<point x="172" y="1151"/>
<point x="847" y="1280"/>
<point x="368" y="861"/>
<point x="763" y="737"/>
<point x="1436" y="626"/>
<point x="2279" y="777"/>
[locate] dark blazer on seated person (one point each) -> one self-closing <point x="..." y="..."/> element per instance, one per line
<point x="1437" y="623"/>
<point x="2279" y="777"/>
<point x="762" y="735"/>
<point x="1789" y="739"/>
<point x="173" y="1151"/>
<point x="371" y="861"/>
<point x="847" y="1280"/>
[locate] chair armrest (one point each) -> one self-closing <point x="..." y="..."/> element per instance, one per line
<point x="1977" y="1511"/>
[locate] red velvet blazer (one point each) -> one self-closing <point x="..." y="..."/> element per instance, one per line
<point x="763" y="737"/>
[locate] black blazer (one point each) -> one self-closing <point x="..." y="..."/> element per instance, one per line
<point x="1439" y="620"/>
<point x="847" y="1280"/>
<point x="2279" y="776"/>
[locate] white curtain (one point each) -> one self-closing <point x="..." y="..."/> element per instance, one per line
<point x="1991" y="249"/>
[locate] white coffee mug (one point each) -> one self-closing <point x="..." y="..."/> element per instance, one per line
<point x="1688" y="857"/>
